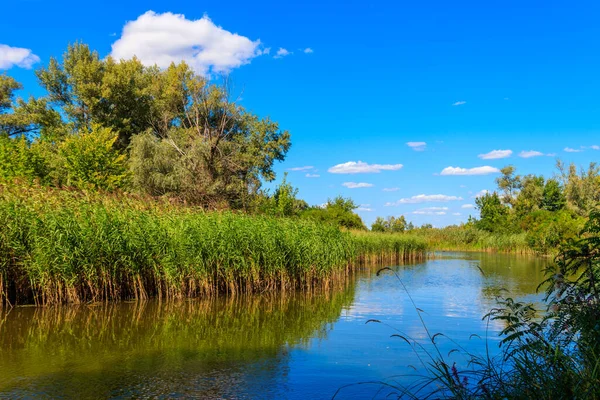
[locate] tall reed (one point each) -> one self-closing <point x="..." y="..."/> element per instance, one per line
<point x="61" y="246"/>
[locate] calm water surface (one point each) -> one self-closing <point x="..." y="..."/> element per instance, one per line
<point x="295" y="346"/>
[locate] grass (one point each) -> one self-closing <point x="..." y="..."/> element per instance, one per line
<point x="62" y="246"/>
<point x="472" y="239"/>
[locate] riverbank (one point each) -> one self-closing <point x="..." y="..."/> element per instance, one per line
<point x="471" y="239"/>
<point x="61" y="246"/>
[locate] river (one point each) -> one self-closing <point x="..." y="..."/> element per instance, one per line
<point x="285" y="346"/>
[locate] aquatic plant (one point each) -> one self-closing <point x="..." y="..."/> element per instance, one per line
<point x="74" y="246"/>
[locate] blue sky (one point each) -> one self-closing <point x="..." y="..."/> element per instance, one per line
<point x="464" y="77"/>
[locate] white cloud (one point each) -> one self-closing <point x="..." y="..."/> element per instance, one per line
<point x="282" y="53"/>
<point x="16" y="57"/>
<point x="434" y="208"/>
<point x="162" y="39"/>
<point x="530" y="153"/>
<point x="355" y="185"/>
<point x="312" y="175"/>
<point x="570" y="150"/>
<point x="421" y="212"/>
<point x="424" y="198"/>
<point x="365" y="207"/>
<point x="459" y="103"/>
<point x="308" y="50"/>
<point x="417" y="146"/>
<point x="467" y="206"/>
<point x="595" y="147"/>
<point x="352" y="167"/>
<point x="481" y="193"/>
<point x="305" y="168"/>
<point x="456" y="213"/>
<point x="394" y="189"/>
<point x="495" y="154"/>
<point x="485" y="170"/>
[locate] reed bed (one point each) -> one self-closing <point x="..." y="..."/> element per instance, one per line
<point x="472" y="239"/>
<point x="62" y="246"/>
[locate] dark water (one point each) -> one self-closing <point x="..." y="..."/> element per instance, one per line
<point x="295" y="346"/>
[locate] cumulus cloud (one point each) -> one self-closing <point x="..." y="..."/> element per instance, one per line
<point x="434" y="208"/>
<point x="495" y="154"/>
<point x="308" y="50"/>
<point x="570" y="150"/>
<point x="312" y="175"/>
<point x="359" y="167"/>
<point x="459" y="103"/>
<point x="16" y="57"/>
<point x="481" y="193"/>
<point x="305" y="168"/>
<point x="394" y="189"/>
<point x="165" y="38"/>
<point x="417" y="146"/>
<point x="282" y="53"/>
<point x="530" y="153"/>
<point x="485" y="170"/>
<point x="595" y="147"/>
<point x="424" y="198"/>
<point x="365" y="207"/>
<point x="456" y="213"/>
<point x="467" y="206"/>
<point x="422" y="212"/>
<point x="355" y="185"/>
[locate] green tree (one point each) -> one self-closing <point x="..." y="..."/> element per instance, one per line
<point x="531" y="196"/>
<point x="338" y="211"/>
<point x="493" y="214"/>
<point x="218" y="154"/>
<point x="380" y="225"/>
<point x="582" y="190"/>
<point x="391" y="224"/>
<point x="553" y="196"/>
<point x="509" y="184"/>
<point x="90" y="160"/>
<point x="19" y="159"/>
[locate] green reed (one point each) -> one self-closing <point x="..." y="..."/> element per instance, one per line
<point x="472" y="239"/>
<point x="60" y="246"/>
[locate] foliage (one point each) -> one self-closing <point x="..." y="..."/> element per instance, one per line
<point x="509" y="184"/>
<point x="492" y="212"/>
<point x="180" y="135"/>
<point x="582" y="191"/>
<point x="390" y="225"/>
<point x="90" y="161"/>
<point x="338" y="211"/>
<point x="19" y="160"/>
<point x="546" y="230"/>
<point x="74" y="246"/>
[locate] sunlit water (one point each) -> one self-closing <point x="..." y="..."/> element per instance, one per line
<point x="295" y="346"/>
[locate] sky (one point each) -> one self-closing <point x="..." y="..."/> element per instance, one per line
<point x="408" y="107"/>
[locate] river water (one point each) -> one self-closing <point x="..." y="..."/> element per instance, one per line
<point x="284" y="346"/>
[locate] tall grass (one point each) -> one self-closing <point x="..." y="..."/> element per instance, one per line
<point x="60" y="246"/>
<point x="472" y="239"/>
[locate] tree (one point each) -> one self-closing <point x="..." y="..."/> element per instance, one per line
<point x="493" y="214"/>
<point x="582" y="191"/>
<point x="553" y="196"/>
<point x="218" y="153"/>
<point x="531" y="196"/>
<point x="509" y="183"/>
<point x="90" y="161"/>
<point x="391" y="224"/>
<point x="338" y="211"/>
